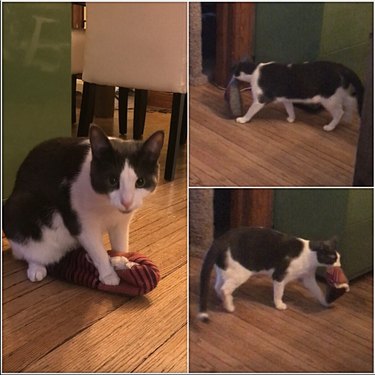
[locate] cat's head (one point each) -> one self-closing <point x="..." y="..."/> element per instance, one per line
<point x="326" y="252"/>
<point x="125" y="171"/>
<point x="244" y="70"/>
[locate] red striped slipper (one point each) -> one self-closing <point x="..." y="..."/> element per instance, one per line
<point x="76" y="267"/>
<point x="337" y="283"/>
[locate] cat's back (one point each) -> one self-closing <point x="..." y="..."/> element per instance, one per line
<point x="250" y="239"/>
<point x="52" y="162"/>
<point x="317" y="71"/>
<point x="250" y="236"/>
<point x="42" y="187"/>
<point x="258" y="247"/>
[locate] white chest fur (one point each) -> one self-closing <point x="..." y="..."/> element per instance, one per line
<point x="94" y="209"/>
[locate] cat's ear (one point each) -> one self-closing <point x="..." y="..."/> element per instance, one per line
<point x="153" y="145"/>
<point x="333" y="242"/>
<point x="100" y="144"/>
<point x="316" y="245"/>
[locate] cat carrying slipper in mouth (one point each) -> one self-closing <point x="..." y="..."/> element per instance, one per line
<point x="330" y="85"/>
<point x="243" y="252"/>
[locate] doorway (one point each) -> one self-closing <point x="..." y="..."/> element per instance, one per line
<point x="227" y="37"/>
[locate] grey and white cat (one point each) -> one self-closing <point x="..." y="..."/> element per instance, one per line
<point x="334" y="86"/>
<point x="243" y="252"/>
<point x="69" y="191"/>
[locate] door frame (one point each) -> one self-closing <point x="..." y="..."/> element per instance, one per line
<point x="251" y="207"/>
<point x="235" y="25"/>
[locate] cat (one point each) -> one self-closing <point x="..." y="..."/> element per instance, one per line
<point x="68" y="191"/>
<point x="245" y="251"/>
<point x="334" y="86"/>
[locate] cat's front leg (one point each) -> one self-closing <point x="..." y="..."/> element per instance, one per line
<point x="92" y="243"/>
<point x="253" y="110"/>
<point x="119" y="236"/>
<point x="310" y="283"/>
<point x="278" y="292"/>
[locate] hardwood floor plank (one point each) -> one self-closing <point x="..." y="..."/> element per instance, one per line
<point x="106" y="346"/>
<point x="162" y="361"/>
<point x="305" y="338"/>
<point x="268" y="151"/>
<point x="34" y="332"/>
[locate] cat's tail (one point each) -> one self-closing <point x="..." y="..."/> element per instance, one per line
<point x="208" y="263"/>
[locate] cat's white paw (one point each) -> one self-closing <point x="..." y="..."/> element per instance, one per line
<point x="325" y="303"/>
<point x="131" y="264"/>
<point x="228" y="303"/>
<point x="290" y="119"/>
<point x="36" y="272"/>
<point x="121" y="263"/>
<point x="110" y="279"/>
<point x="229" y="307"/>
<point x="328" y="127"/>
<point x="281" y="306"/>
<point x="241" y="120"/>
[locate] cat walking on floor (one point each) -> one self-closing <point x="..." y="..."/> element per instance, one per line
<point x="69" y="191"/>
<point x="331" y="85"/>
<point x="243" y="252"/>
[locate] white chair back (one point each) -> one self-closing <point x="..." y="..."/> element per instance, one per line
<point x="137" y="45"/>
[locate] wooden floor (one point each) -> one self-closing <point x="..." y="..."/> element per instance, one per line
<point x="268" y="151"/>
<point x="52" y="326"/>
<point x="304" y="338"/>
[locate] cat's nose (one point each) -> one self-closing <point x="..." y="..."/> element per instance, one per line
<point x="126" y="203"/>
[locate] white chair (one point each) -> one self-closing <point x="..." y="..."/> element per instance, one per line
<point x="141" y="46"/>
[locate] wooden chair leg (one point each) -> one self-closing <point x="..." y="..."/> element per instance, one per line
<point x="74" y="98"/>
<point x="140" y="109"/>
<point x="87" y="109"/>
<point x="123" y="110"/>
<point x="183" y="137"/>
<point x="174" y="135"/>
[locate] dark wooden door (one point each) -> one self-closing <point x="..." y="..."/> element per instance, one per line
<point x="234" y="37"/>
<point x="251" y="207"/>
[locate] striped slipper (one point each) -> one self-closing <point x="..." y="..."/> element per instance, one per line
<point x="337" y="283"/>
<point x="232" y="96"/>
<point x="76" y="267"/>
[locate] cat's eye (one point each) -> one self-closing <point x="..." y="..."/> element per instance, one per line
<point x="113" y="180"/>
<point x="140" y="183"/>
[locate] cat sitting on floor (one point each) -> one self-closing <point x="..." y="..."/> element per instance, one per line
<point x="334" y="86"/>
<point x="68" y="191"/>
<point x="243" y="252"/>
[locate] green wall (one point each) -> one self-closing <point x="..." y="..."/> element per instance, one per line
<point x="287" y="32"/>
<point x="323" y="213"/>
<point x="36" y="79"/>
<point x="345" y="34"/>
<point x="297" y="32"/>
